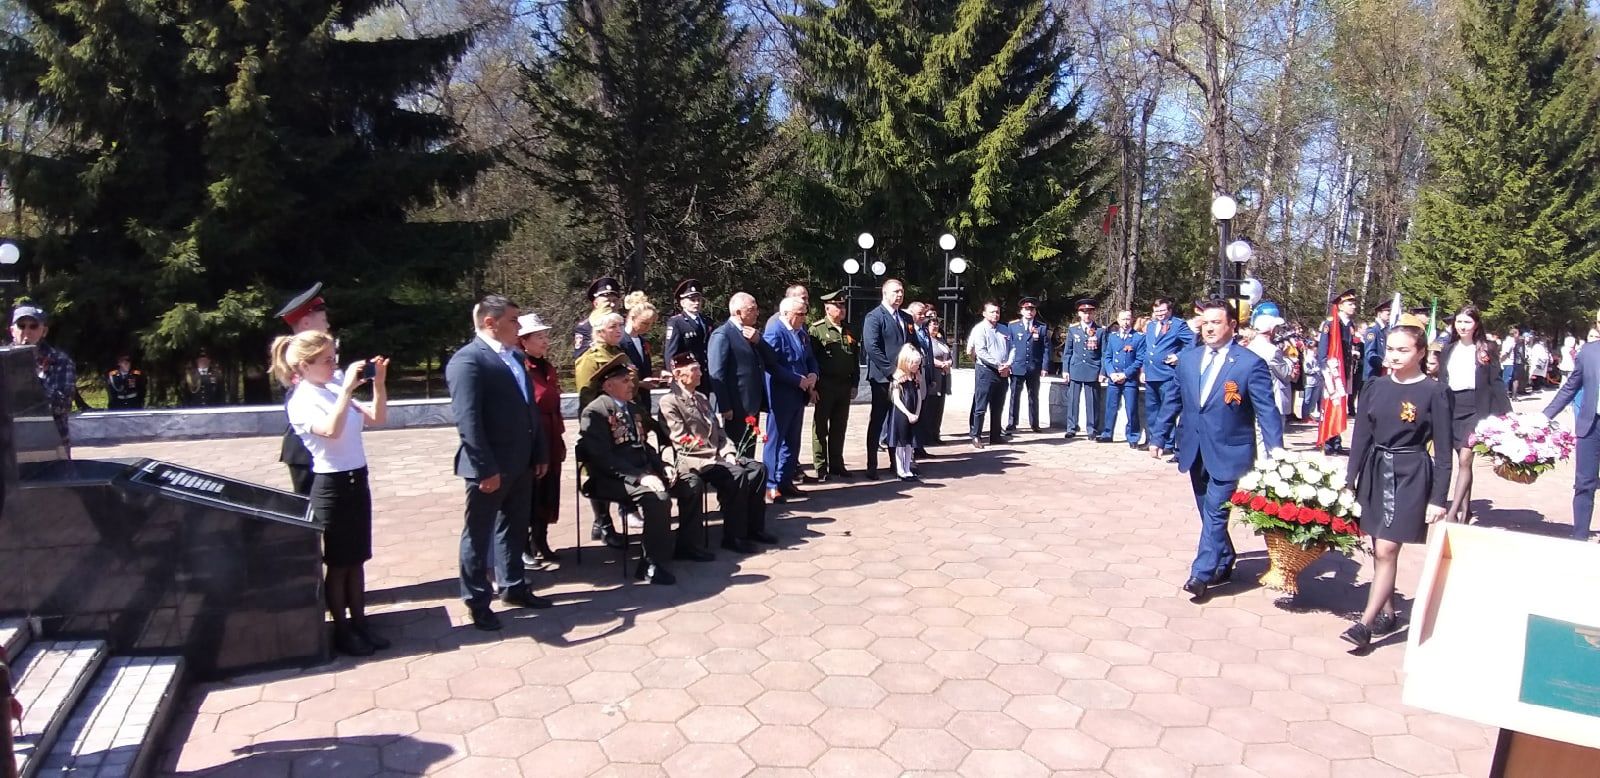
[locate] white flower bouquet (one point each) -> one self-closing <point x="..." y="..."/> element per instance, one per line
<point x="1522" y="445"/>
<point x="1302" y="497"/>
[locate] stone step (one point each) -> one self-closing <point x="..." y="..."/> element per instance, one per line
<point x="51" y="676"/>
<point x="14" y="636"/>
<point x="115" y="729"/>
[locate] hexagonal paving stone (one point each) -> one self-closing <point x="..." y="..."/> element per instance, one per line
<point x="925" y="749"/>
<point x="507" y="737"/>
<point x="1065" y="749"/>
<point x="847" y="728"/>
<point x="783" y="746"/>
<point x="718" y="724"/>
<point x="782" y="707"/>
<point x="642" y="742"/>
<point x="699" y="760"/>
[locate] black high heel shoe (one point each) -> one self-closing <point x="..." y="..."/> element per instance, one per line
<point x="364" y="631"/>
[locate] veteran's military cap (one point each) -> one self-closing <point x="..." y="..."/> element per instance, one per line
<point x="618" y="365"/>
<point x="1087" y="304"/>
<point x="836" y="296"/>
<point x="302" y="304"/>
<point x="1030" y="300"/>
<point x="683" y="359"/>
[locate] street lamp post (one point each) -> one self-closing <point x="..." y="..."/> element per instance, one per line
<point x="1223" y="209"/>
<point x="1239" y="253"/>
<point x="9" y="256"/>
<point x="851" y="268"/>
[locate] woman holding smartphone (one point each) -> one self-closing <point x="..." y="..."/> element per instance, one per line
<point x="323" y="412"/>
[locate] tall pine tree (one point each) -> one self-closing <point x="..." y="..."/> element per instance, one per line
<point x="1511" y="219"/>
<point x="220" y="155"/>
<point x="644" y="124"/>
<point x="925" y="116"/>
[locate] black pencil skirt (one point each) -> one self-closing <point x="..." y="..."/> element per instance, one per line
<point x="343" y="502"/>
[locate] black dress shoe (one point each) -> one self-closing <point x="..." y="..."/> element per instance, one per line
<point x="789" y="490"/>
<point x="1195" y="587"/>
<point x="740" y="546"/>
<point x="872" y="474"/>
<point x="912" y="477"/>
<point x="346" y="641"/>
<point x="485" y="619"/>
<point x="1010" y="430"/>
<point x="923" y="453"/>
<point x="806" y="478"/>
<point x="654" y="573"/>
<point x="822" y="478"/>
<point x="1102" y="440"/>
<point x="842" y="473"/>
<point x="1070" y="435"/>
<point x="1385" y="624"/>
<point x="694" y="555"/>
<point x="364" y="631"/>
<point x="519" y="596"/>
<point x="1036" y="428"/>
<point x="998" y="441"/>
<point x="1358" y="635"/>
<point x="1134" y="445"/>
<point x="1224" y="577"/>
<point x="764" y="537"/>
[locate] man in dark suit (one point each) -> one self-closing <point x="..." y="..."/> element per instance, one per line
<point x="1164" y="338"/>
<point x="1584" y="378"/>
<point x="1030" y="342"/>
<point x="883" y="332"/>
<point x="502" y="452"/>
<point x="739" y="361"/>
<point x="611" y="444"/>
<point x="1226" y="392"/>
<point x="791" y="384"/>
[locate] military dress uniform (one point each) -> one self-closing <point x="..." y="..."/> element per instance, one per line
<point x="1030" y="342"/>
<point x="603" y="287"/>
<point x="838" y="378"/>
<point x="294" y="454"/>
<point x="1375" y="345"/>
<point x="1124" y="353"/>
<point x="125" y="391"/>
<point x="1336" y="327"/>
<point x="688" y="334"/>
<point x="1081" y="359"/>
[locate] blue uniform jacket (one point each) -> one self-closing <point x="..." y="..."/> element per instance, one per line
<point x="793" y="360"/>
<point x="1373" y="350"/>
<point x="1124" y="354"/>
<point x="1219" y="433"/>
<point x="1081" y="355"/>
<point x="1159" y="345"/>
<point x="1029" y="345"/>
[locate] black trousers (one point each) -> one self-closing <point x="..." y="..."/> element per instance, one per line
<point x="656" y="509"/>
<point x="1030" y="382"/>
<point x="830" y="420"/>
<point x="495" y="536"/>
<point x="739" y="492"/>
<point x="988" y="397"/>
<point x="880" y="413"/>
<point x="1096" y="401"/>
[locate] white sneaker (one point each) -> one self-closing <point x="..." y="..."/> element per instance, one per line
<point x="531" y="562"/>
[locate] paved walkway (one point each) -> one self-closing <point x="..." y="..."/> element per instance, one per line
<point x="1017" y="615"/>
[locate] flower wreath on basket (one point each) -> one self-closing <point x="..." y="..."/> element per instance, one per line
<point x="1301" y="497"/>
<point x="1522" y="445"/>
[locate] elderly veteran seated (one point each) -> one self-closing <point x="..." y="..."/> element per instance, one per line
<point x="624" y="469"/>
<point x="707" y="457"/>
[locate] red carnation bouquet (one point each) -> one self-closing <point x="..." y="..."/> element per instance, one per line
<point x="752" y="433"/>
<point x="1303" y="499"/>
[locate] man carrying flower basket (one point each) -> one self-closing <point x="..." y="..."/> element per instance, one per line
<point x="704" y="454"/>
<point x="1585" y="374"/>
<point x="1226" y="392"/>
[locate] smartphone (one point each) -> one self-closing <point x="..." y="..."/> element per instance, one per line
<point x="369" y="372"/>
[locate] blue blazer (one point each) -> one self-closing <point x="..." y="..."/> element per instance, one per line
<point x="1157" y="347"/>
<point x="1029" y="345"/>
<point x="883" y="334"/>
<point x="737" y="371"/>
<point x="1585" y="378"/>
<point x="1220" y="434"/>
<point x="1123" y="354"/>
<point x="500" y="431"/>
<point x="793" y="359"/>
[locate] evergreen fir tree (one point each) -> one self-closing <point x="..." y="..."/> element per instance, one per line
<point x="221" y="155"/>
<point x="1511" y="219"/>
<point x="642" y="123"/>
<point x="926" y="116"/>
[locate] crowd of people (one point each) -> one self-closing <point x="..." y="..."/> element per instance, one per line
<point x="1206" y="393"/>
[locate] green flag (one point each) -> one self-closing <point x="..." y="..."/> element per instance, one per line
<point x="1433" y="321"/>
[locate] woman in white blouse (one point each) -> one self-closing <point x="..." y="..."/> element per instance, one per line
<point x="1468" y="368"/>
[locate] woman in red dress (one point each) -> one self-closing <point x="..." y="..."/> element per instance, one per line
<point x="534" y="335"/>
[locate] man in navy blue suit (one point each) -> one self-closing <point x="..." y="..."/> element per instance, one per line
<point x="1124" y="354"/>
<point x="1030" y="342"/>
<point x="739" y="361"/>
<point x="883" y="332"/>
<point x="791" y="384"/>
<point x="1226" y="392"/>
<point x="1585" y="380"/>
<point x="1165" y="337"/>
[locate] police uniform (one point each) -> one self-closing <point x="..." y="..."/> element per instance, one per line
<point x="1081" y="359"/>
<point x="583" y="334"/>
<point x="294" y="453"/>
<point x="125" y="391"/>
<point x="838" y="377"/>
<point x="688" y="334"/>
<point x="1030" y="342"/>
<point x="1375" y="345"/>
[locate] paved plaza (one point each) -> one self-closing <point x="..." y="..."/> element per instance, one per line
<point x="1016" y="615"/>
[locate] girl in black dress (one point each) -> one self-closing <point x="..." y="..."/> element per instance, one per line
<point x="1470" y="372"/>
<point x="1399" y="468"/>
<point x="906" y="394"/>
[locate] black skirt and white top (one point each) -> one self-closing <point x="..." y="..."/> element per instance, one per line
<point x="1401" y="458"/>
<point x="340" y="496"/>
<point x="1476" y="391"/>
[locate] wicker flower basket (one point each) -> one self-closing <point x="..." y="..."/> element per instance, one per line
<point x="1287" y="562"/>
<point x="1506" y="471"/>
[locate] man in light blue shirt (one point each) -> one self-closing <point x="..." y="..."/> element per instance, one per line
<point x="991" y="352"/>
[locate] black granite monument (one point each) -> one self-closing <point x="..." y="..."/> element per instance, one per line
<point x="151" y="556"/>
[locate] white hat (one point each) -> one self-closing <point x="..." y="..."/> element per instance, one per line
<point x="529" y="323"/>
<point x="1266" y="322"/>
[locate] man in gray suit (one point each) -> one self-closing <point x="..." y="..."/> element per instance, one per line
<point x="1584" y="379"/>
<point x="502" y="453"/>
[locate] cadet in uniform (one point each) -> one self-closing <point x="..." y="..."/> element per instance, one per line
<point x="688" y="332"/>
<point x="125" y="386"/>
<point x="306" y="312"/>
<point x="1375" y="345"/>
<point x="838" y="377"/>
<point x="1339" y="379"/>
<point x="606" y="295"/>
<point x="1030" y="342"/>
<point x="1081" y="362"/>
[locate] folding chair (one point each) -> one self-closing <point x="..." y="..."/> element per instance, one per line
<point x="577" y="513"/>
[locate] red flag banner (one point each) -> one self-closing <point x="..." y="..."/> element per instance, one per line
<point x="1111" y="218"/>
<point x="1334" y="390"/>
